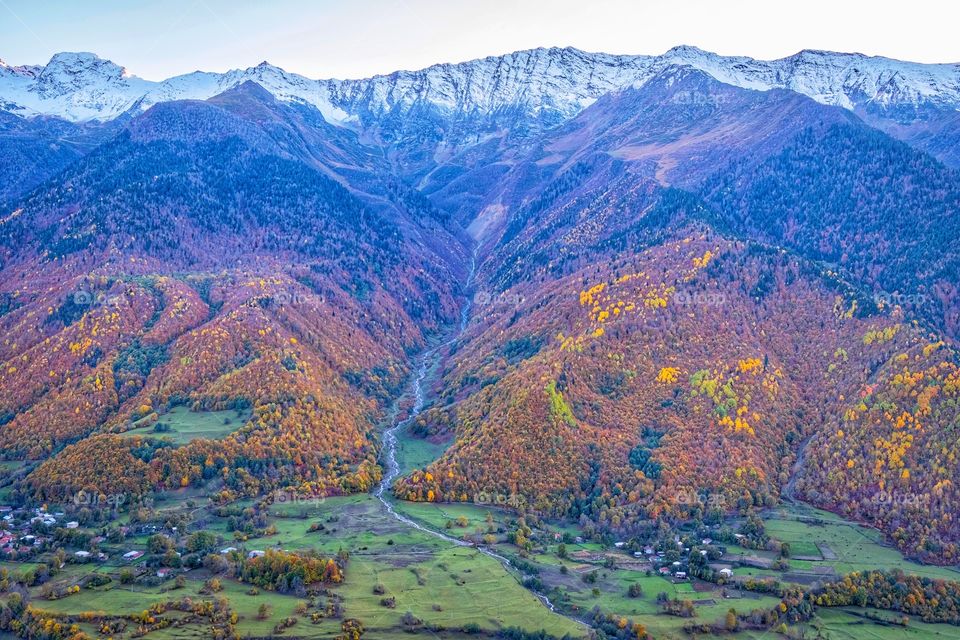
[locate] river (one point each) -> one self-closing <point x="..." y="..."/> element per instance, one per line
<point x="420" y="385"/>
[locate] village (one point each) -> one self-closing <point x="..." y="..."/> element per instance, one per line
<point x="677" y="562"/>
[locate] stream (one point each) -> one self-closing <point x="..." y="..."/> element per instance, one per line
<point x="420" y="385"/>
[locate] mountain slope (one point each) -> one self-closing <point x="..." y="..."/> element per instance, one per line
<point x="622" y="324"/>
<point x="688" y="266"/>
<point x="200" y="258"/>
<point x="881" y="212"/>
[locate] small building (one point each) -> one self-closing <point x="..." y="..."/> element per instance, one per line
<point x="680" y="575"/>
<point x="73" y="524"/>
<point x="164" y="573"/>
<point x="706" y="541"/>
<point x="256" y="553"/>
<point x="83" y="555"/>
<point x="649" y="551"/>
<point x="132" y="555"/>
<point x="664" y="571"/>
<point x="619" y="545"/>
<point x="227" y="550"/>
<point x="726" y="573"/>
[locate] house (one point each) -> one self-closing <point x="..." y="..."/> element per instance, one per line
<point x="73" y="524"/>
<point x="726" y="573"/>
<point x="132" y="555"/>
<point x="649" y="551"/>
<point x="680" y="575"/>
<point x="664" y="571"/>
<point x="256" y="553"/>
<point x="164" y="573"/>
<point x="619" y="545"/>
<point x="83" y="555"/>
<point x="637" y="554"/>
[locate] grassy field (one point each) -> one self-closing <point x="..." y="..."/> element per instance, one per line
<point x="448" y="587"/>
<point x="417" y="453"/>
<point x="443" y="585"/>
<point x="186" y="425"/>
<point x="851" y="624"/>
<point x="856" y="548"/>
<point x="439" y="583"/>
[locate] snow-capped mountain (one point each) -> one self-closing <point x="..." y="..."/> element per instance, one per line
<point x="82" y="86"/>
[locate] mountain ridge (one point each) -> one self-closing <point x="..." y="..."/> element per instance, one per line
<point x="83" y="86"/>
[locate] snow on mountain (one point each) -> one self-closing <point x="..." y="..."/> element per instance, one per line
<point x="82" y="86"/>
<point x="73" y="86"/>
<point x="565" y="80"/>
<point x="840" y="79"/>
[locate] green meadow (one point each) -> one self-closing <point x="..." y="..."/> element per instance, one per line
<point x="180" y="425"/>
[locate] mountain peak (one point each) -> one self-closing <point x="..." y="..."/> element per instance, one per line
<point x="76" y="62"/>
<point x="73" y="71"/>
<point x="685" y="49"/>
<point x="249" y="97"/>
<point x="825" y="53"/>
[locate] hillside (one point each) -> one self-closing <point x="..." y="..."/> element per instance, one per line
<point x="703" y="285"/>
<point x="679" y="380"/>
<point x="199" y="259"/>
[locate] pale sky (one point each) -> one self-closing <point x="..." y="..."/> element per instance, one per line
<point x="358" y="38"/>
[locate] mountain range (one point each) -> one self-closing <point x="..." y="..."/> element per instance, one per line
<point x="692" y="275"/>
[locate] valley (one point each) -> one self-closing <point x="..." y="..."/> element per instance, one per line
<point x="547" y="345"/>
